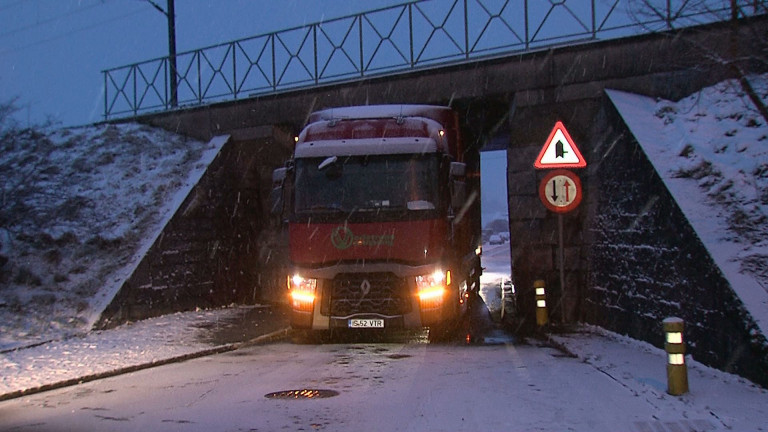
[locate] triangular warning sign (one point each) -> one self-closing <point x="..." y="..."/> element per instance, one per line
<point x="559" y="151"/>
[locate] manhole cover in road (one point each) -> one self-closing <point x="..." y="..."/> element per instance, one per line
<point x="302" y="394"/>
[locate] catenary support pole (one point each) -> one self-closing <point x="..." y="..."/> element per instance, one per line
<point x="172" y="54"/>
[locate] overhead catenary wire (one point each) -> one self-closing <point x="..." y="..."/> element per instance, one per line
<point x="47" y="20"/>
<point x="73" y="31"/>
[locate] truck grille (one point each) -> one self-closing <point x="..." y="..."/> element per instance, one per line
<point x="359" y="293"/>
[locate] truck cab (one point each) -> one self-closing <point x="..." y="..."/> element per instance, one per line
<point x="377" y="206"/>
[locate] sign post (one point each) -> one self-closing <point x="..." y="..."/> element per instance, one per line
<point x="560" y="191"/>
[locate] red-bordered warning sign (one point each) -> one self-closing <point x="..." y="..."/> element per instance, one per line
<point x="560" y="151"/>
<point x="560" y="191"/>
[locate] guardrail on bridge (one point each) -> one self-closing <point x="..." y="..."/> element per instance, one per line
<point x="401" y="38"/>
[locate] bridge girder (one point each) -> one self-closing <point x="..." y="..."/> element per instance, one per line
<point x="531" y="90"/>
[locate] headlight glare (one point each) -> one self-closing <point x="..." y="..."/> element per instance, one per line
<point x="303" y="292"/>
<point x="431" y="288"/>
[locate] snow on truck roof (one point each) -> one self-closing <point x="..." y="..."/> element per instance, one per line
<point x="442" y="114"/>
<point x="353" y="131"/>
<point x="365" y="146"/>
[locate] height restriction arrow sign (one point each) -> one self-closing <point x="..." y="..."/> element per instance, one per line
<point x="559" y="151"/>
<point x="560" y="191"/>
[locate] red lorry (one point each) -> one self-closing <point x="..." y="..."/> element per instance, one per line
<point x="383" y="219"/>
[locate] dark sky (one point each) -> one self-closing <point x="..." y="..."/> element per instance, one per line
<point x="52" y="52"/>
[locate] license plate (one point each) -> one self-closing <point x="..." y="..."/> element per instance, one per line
<point x="366" y="323"/>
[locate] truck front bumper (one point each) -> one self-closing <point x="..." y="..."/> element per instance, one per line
<point x="402" y="296"/>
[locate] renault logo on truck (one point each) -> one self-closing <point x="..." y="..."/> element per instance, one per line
<point x="365" y="288"/>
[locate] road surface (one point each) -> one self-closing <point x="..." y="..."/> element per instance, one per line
<point x="402" y="382"/>
<point x="405" y="385"/>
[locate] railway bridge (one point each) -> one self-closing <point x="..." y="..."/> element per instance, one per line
<point x="509" y="96"/>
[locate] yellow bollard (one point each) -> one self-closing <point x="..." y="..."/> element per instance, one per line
<point x="542" y="318"/>
<point x="677" y="371"/>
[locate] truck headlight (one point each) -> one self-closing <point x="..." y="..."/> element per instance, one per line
<point x="431" y="288"/>
<point x="303" y="292"/>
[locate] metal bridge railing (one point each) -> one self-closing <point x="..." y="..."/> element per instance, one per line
<point x="409" y="36"/>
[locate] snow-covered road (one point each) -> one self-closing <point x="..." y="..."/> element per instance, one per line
<point x="594" y="381"/>
<point x="404" y="386"/>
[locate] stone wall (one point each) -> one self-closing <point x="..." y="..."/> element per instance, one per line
<point x="646" y="263"/>
<point x="215" y="249"/>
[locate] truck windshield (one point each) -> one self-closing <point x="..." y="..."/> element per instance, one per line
<point x="367" y="183"/>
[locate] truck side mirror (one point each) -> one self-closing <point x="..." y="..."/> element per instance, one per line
<point x="458" y="169"/>
<point x="276" y="195"/>
<point x="458" y="187"/>
<point x="278" y="176"/>
<point x="458" y="194"/>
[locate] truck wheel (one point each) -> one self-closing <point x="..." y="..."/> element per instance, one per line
<point x="308" y="337"/>
<point x="448" y="331"/>
<point x="439" y="333"/>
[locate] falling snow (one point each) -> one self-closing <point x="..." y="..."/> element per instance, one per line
<point x="88" y="215"/>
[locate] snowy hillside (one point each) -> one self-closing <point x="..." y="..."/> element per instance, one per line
<point x="77" y="206"/>
<point x="711" y="150"/>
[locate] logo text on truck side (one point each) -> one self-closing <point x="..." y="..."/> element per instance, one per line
<point x="343" y="238"/>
